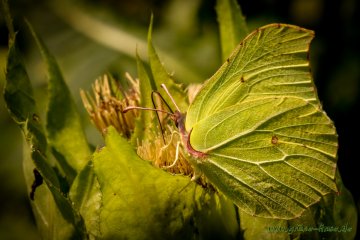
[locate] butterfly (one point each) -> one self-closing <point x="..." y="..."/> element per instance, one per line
<point x="257" y="130"/>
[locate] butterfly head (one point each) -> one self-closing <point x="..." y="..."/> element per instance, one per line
<point x="178" y="118"/>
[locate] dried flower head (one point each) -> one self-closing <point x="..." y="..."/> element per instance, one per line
<point x="106" y="107"/>
<point x="163" y="148"/>
<point x="165" y="152"/>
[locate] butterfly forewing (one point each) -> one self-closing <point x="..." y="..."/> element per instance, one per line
<point x="271" y="61"/>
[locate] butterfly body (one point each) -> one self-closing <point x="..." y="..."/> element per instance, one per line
<point x="179" y="119"/>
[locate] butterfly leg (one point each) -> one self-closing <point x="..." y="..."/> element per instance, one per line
<point x="170" y="142"/>
<point x="196" y="176"/>
<point x="176" y="156"/>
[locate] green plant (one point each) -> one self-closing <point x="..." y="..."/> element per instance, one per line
<point x="115" y="193"/>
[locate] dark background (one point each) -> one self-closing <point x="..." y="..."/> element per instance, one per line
<point x="334" y="55"/>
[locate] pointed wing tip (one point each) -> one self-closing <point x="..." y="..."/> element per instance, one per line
<point x="280" y="25"/>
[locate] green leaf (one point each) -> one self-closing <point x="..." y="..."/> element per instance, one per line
<point x="145" y="128"/>
<point x="232" y="25"/>
<point x="139" y="200"/>
<point x="339" y="210"/>
<point x="21" y="104"/>
<point x="87" y="199"/>
<point x="49" y="220"/>
<point x="262" y="228"/>
<point x="161" y="76"/>
<point x="64" y="128"/>
<point x="268" y="144"/>
<point x="217" y="219"/>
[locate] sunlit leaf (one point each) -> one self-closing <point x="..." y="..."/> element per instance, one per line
<point x="161" y="76"/>
<point x="232" y="25"/>
<point x="139" y="200"/>
<point x="146" y="125"/>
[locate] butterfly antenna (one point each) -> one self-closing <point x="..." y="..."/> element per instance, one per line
<point x="144" y="108"/>
<point x="157" y="114"/>
<point x="162" y="99"/>
<point x="168" y="93"/>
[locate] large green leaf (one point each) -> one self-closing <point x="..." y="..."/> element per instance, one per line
<point x="161" y="76"/>
<point x="232" y="25"/>
<point x="64" y="127"/>
<point x="21" y="104"/>
<point x="146" y="125"/>
<point x="142" y="202"/>
<point x="269" y="146"/>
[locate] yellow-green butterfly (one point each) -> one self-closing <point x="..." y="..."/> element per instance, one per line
<point x="257" y="130"/>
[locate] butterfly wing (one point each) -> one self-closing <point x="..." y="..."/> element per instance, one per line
<point x="271" y="61"/>
<point x="273" y="157"/>
<point x="270" y="147"/>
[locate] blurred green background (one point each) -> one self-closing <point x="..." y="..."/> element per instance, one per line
<point x="89" y="38"/>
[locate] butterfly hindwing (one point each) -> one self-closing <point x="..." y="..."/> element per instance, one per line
<point x="272" y="156"/>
